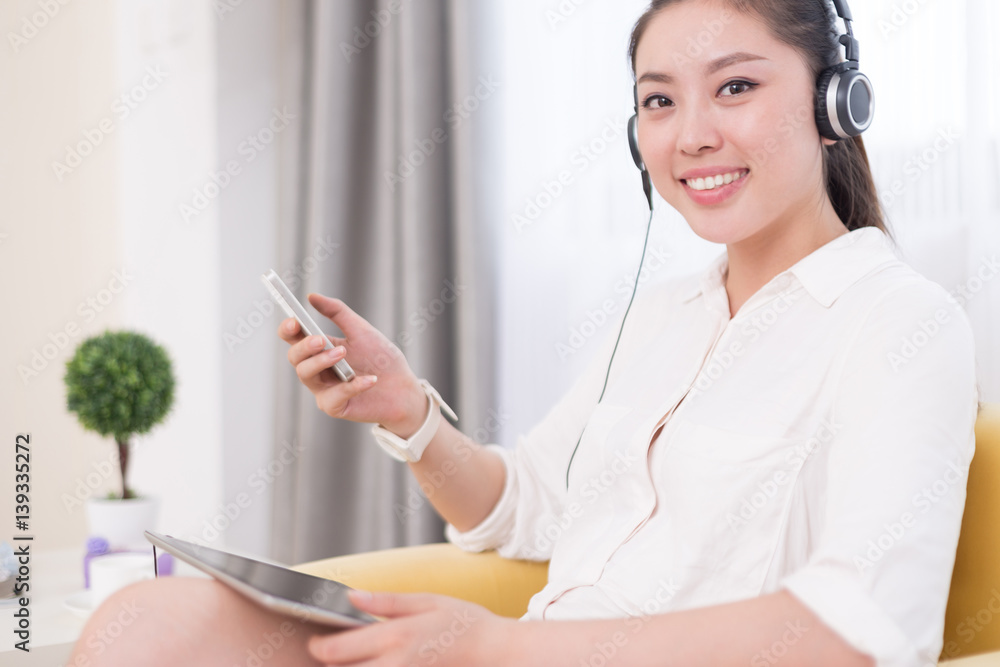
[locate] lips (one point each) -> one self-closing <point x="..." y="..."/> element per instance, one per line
<point x="697" y="185"/>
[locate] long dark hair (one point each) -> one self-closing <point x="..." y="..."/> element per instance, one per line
<point x="810" y="27"/>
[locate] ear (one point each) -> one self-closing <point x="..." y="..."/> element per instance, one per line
<point x="827" y="142"/>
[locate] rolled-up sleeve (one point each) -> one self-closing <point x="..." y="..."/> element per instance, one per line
<point x="895" y="474"/>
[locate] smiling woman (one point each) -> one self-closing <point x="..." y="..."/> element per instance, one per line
<point x="758" y="100"/>
<point x="746" y="448"/>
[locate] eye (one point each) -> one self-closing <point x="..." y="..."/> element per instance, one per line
<point x="654" y="102"/>
<point x="736" y="88"/>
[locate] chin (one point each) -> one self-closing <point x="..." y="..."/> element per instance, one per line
<point x="704" y="226"/>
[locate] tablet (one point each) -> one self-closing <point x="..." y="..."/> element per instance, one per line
<point x="272" y="586"/>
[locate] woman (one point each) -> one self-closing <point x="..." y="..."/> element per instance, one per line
<point x="757" y="481"/>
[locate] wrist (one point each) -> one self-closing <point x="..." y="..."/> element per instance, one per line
<point x="419" y="404"/>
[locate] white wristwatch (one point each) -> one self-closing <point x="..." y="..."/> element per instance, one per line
<point x="413" y="448"/>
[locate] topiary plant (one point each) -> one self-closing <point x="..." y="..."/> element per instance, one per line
<point x="119" y="384"/>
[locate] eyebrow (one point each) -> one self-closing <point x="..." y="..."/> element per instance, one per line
<point x="711" y="68"/>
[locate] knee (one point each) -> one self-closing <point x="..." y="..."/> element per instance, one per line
<point x="140" y="617"/>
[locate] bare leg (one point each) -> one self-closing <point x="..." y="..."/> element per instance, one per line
<point x="190" y="621"/>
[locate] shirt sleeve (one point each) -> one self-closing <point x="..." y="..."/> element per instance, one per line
<point x="534" y="492"/>
<point x="905" y="410"/>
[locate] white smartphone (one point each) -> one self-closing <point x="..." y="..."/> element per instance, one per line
<point x="293" y="308"/>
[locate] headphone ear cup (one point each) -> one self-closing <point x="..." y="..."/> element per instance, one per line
<point x="823" y="121"/>
<point x="633" y="142"/>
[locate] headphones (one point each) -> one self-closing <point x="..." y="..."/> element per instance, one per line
<point x="845" y="99"/>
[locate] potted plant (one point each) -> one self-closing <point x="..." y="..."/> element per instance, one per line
<point x="120" y="384"/>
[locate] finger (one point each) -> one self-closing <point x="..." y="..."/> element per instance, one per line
<point x="308" y="369"/>
<point x="335" y="399"/>
<point x="289" y="330"/>
<point x="307" y="347"/>
<point x="348" y="647"/>
<point x="349" y="322"/>
<point x="394" y="605"/>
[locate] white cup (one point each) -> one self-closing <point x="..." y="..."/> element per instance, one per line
<point x="114" y="571"/>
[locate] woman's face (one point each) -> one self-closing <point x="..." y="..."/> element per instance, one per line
<point x="720" y="97"/>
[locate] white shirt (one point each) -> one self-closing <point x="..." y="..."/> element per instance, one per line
<point x="818" y="441"/>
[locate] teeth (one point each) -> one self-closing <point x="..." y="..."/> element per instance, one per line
<point x="713" y="182"/>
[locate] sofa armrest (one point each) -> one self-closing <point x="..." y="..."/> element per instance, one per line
<point x="502" y="585"/>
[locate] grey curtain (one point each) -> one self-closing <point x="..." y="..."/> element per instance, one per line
<point x="375" y="81"/>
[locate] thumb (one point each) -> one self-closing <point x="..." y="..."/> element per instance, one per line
<point x="338" y="311"/>
<point x="391" y="605"/>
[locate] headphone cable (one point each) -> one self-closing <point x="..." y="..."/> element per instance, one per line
<point x="620" y="330"/>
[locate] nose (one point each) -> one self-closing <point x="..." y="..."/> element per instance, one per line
<point x="698" y="131"/>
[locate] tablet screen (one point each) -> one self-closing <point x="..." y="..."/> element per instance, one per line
<point x="274" y="580"/>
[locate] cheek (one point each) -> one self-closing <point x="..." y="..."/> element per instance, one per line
<point x="781" y="143"/>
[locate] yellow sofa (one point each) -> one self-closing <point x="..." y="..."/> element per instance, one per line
<point x="504" y="586"/>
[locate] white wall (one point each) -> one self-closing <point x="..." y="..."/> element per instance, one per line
<point x="117" y="211"/>
<point x="167" y="150"/>
<point x="59" y="246"/>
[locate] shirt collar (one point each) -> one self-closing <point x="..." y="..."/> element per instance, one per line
<point x="825" y="273"/>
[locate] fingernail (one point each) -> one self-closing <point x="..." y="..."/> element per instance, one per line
<point x="316" y="342"/>
<point x="372" y="379"/>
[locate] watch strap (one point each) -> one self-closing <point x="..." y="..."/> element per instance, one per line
<point x="412" y="448"/>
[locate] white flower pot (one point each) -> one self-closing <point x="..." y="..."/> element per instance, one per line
<point x="122" y="522"/>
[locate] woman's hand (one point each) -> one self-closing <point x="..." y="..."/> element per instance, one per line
<point x="396" y="401"/>
<point x="420" y="629"/>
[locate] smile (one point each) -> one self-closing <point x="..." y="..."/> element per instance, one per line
<point x="712" y="182"/>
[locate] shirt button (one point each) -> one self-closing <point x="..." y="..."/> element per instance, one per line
<point x="784" y="281"/>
